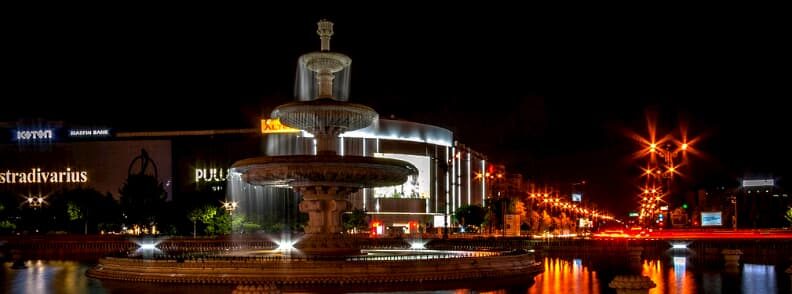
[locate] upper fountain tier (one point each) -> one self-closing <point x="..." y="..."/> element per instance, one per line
<point x="323" y="74"/>
<point x="322" y="92"/>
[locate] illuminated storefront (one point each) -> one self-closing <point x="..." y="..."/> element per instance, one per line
<point x="101" y="165"/>
<point x="447" y="170"/>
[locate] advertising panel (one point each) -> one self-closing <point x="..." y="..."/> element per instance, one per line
<point x="710" y="219"/>
<point x="416" y="186"/>
<point x="512" y="225"/>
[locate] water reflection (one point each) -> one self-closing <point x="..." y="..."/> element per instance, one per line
<point x="677" y="274"/>
<point x="759" y="278"/>
<point x="674" y="279"/>
<point x="48" y="277"/>
<point x="565" y="276"/>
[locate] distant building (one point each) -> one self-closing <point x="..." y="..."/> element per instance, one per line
<point x="756" y="203"/>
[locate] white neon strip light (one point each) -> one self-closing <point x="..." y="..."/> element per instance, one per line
<point x="453" y="181"/>
<point x="364" y="189"/>
<point x="437" y="207"/>
<point x="459" y="180"/>
<point x="468" y="178"/>
<point x="448" y="183"/>
<point x="483" y="182"/>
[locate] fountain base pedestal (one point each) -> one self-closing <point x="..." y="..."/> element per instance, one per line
<point x="632" y="284"/>
<point x="327" y="245"/>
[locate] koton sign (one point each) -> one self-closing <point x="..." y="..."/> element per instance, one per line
<point x="27" y="135"/>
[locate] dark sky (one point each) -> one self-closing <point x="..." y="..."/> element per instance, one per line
<point x="551" y="94"/>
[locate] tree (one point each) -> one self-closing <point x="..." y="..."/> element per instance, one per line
<point x="356" y="220"/>
<point x="556" y="224"/>
<point x="490" y="219"/>
<point x="519" y="207"/>
<point x="219" y="224"/>
<point x="82" y="210"/>
<point x="788" y="216"/>
<point x="184" y="210"/>
<point x="566" y="223"/>
<point x="194" y="216"/>
<point x="535" y="220"/>
<point x="142" y="199"/>
<point x="237" y="222"/>
<point x="217" y="221"/>
<point x="204" y="214"/>
<point x="547" y="221"/>
<point x="5" y="225"/>
<point x="472" y="215"/>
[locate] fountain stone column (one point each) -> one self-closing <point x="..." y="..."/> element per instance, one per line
<point x="732" y="259"/>
<point x="789" y="272"/>
<point x="632" y="284"/>
<point x="325" y="205"/>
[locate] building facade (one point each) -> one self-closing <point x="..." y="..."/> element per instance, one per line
<point x="42" y="157"/>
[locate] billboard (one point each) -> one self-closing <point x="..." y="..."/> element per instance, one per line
<point x="710" y="219"/>
<point x="758" y="183"/>
<point x="440" y="221"/>
<point x="416" y="186"/>
<point x="577" y="197"/>
<point x="585" y="223"/>
<point x="512" y="223"/>
<point x="274" y="126"/>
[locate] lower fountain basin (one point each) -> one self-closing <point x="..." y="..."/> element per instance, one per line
<point x="380" y="267"/>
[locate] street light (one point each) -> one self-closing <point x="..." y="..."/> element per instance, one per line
<point x="230" y="206"/>
<point x="662" y="166"/>
<point x="35" y="202"/>
<point x="733" y="199"/>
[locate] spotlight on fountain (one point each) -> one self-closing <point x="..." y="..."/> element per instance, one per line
<point x="150" y="246"/>
<point x="286" y="245"/>
<point x="418" y="245"/>
<point x="679" y="244"/>
<point x="147" y="248"/>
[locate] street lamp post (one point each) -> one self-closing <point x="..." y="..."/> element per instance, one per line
<point x="660" y="179"/>
<point x="734" y="217"/>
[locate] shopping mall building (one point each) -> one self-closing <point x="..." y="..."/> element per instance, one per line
<point x="41" y="157"/>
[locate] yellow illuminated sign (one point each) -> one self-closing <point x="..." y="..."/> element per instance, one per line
<point x="274" y="126"/>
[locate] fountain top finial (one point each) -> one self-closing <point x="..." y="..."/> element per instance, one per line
<point x="325" y="31"/>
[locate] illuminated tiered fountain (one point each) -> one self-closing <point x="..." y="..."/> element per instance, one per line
<point x="325" y="180"/>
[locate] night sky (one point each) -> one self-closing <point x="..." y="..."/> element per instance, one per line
<point x="551" y="94"/>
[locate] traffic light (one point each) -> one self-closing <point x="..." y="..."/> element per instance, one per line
<point x="684" y="205"/>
